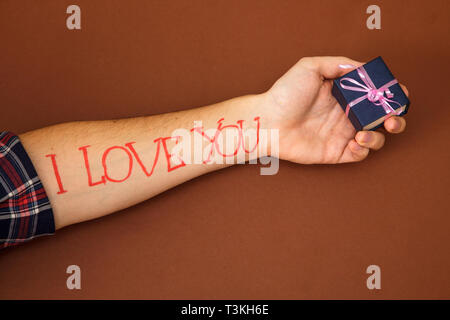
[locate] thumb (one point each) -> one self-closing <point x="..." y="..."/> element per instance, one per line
<point x="332" y="67"/>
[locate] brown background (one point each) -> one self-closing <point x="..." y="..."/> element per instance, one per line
<point x="307" y="232"/>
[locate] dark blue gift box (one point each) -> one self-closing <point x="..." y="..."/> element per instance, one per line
<point x="368" y="101"/>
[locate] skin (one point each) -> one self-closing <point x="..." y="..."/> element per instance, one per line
<point x="313" y="129"/>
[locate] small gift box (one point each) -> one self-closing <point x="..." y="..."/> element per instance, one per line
<point x="369" y="95"/>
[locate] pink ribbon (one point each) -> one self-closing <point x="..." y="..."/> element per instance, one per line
<point x="374" y="94"/>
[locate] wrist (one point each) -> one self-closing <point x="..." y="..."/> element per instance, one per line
<point x="260" y="108"/>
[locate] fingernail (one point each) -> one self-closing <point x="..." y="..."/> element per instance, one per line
<point x="366" y="137"/>
<point x="356" y="147"/>
<point x="347" y="66"/>
<point x="396" y="125"/>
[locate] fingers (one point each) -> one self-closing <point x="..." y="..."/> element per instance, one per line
<point x="405" y="89"/>
<point x="358" y="149"/>
<point x="370" y="139"/>
<point x="330" y="67"/>
<point x="395" y="124"/>
<point x="354" y="152"/>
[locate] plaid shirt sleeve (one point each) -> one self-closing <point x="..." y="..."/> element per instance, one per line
<point x="25" y="210"/>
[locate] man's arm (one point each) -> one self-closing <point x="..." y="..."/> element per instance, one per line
<point x="91" y="169"/>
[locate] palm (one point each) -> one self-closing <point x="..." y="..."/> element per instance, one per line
<point x="313" y="127"/>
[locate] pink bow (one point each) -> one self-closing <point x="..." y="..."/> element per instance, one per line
<point x="374" y="94"/>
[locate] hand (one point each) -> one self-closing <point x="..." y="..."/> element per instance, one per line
<point x="312" y="125"/>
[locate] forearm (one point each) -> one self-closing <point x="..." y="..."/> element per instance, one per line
<point x="93" y="168"/>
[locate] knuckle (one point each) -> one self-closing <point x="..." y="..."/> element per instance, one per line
<point x="363" y="154"/>
<point x="307" y="62"/>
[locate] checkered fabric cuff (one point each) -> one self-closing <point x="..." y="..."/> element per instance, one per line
<point x="25" y="210"/>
